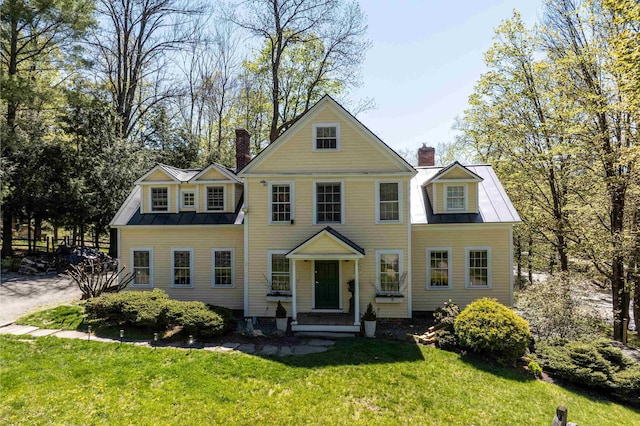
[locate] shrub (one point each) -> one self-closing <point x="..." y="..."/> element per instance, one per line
<point x="594" y="364"/>
<point x="554" y="309"/>
<point x="490" y="327"/>
<point x="133" y="308"/>
<point x="281" y="312"/>
<point x="369" y="314"/>
<point x="535" y="369"/>
<point x="226" y="314"/>
<point x="194" y="317"/>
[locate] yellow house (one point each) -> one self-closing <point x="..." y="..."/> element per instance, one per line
<point x="326" y="219"/>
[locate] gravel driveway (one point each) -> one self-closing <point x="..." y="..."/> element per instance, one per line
<point x="21" y="294"/>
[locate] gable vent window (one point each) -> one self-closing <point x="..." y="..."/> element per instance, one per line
<point x="215" y="198"/>
<point x="455" y="197"/>
<point x="326" y="136"/>
<point x="159" y="199"/>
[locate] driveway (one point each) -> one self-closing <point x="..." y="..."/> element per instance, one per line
<point x="21" y="294"/>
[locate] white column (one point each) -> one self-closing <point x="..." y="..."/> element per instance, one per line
<point x="356" y="296"/>
<point x="294" y="305"/>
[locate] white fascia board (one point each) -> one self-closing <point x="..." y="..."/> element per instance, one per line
<point x="153" y="170"/>
<point x="220" y="169"/>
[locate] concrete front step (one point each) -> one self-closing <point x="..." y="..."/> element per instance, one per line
<point x="325" y="334"/>
<point x="326" y="328"/>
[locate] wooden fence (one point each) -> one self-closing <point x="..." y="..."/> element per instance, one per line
<point x="49" y="244"/>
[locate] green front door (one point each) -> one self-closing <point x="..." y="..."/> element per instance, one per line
<point x="327" y="286"/>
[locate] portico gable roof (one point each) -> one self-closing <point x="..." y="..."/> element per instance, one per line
<point x="327" y="244"/>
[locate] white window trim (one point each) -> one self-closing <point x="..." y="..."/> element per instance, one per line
<point x="400" y="201"/>
<point x="449" y="267"/>
<point x="191" y="267"/>
<point x="379" y="254"/>
<point x="224" y="198"/>
<point x="150" y="200"/>
<point x="292" y="198"/>
<point x="213" y="268"/>
<point x="150" y="250"/>
<point x="342" y="202"/>
<point x="195" y="199"/>
<point x="466" y="267"/>
<point x="465" y="188"/>
<point x="270" y="253"/>
<point x="313" y="137"/>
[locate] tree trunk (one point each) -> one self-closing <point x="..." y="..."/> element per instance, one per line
<point x="37" y="229"/>
<point x="7" y="234"/>
<point x="82" y="235"/>
<point x="29" y="234"/>
<point x="530" y="260"/>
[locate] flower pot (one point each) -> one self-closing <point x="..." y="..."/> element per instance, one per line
<point x="370" y="328"/>
<point x="281" y="324"/>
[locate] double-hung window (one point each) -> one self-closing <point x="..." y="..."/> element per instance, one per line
<point x="439" y="268"/>
<point x="281" y="203"/>
<point x="328" y="202"/>
<point x="182" y="267"/>
<point x="279" y="272"/>
<point x="188" y="199"/>
<point x="326" y="136"/>
<point x="222" y="264"/>
<point x="159" y="199"/>
<point x="388" y="194"/>
<point x="215" y="198"/>
<point x="389" y="266"/>
<point x="478" y="267"/>
<point x="455" y="197"/>
<point x="142" y="267"/>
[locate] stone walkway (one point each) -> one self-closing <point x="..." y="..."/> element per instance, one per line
<point x="311" y="346"/>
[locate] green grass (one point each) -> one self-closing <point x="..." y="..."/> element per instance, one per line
<point x="64" y="317"/>
<point x="360" y="381"/>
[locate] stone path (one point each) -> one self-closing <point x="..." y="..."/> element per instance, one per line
<point x="307" y="347"/>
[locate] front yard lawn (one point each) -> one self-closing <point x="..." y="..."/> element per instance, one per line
<point x="51" y="380"/>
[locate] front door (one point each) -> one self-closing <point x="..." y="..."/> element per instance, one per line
<point x="327" y="287"/>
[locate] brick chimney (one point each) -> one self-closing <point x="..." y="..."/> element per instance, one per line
<point x="426" y="156"/>
<point x="243" y="148"/>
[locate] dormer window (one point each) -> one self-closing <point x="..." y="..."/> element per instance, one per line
<point x="188" y="199"/>
<point x="455" y="197"/>
<point x="215" y="198"/>
<point x="160" y="199"/>
<point x="326" y="136"/>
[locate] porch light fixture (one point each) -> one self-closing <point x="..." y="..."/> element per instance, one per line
<point x="263" y="182"/>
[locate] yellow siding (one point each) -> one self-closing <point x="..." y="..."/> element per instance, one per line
<point x="174" y="200"/>
<point x="358" y="152"/>
<point x="202" y="240"/>
<point x="325" y="244"/>
<point x="213" y="174"/>
<point x="359" y="227"/>
<point x="455" y="173"/>
<point x="230" y="194"/>
<point x="472" y="195"/>
<point x="158" y="175"/>
<point x="457" y="240"/>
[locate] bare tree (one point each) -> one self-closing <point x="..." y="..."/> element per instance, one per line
<point x="133" y="44"/>
<point x="331" y="30"/>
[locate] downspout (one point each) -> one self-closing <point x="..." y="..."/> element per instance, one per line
<point x="409" y="273"/>
<point x="246" y="247"/>
<point x="511" y="265"/>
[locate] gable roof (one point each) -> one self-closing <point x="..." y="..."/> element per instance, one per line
<point x="175" y="174"/>
<point x="453" y="166"/>
<point x="300" y="121"/>
<point x="349" y="249"/>
<point x="218" y="167"/>
<point x="494" y="205"/>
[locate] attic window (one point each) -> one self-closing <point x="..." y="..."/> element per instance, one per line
<point x="159" y="199"/>
<point x="455" y="197"/>
<point x="326" y="137"/>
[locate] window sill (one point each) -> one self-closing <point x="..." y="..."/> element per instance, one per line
<point x="437" y="288"/>
<point x="392" y="298"/>
<point x="181" y="286"/>
<point x="279" y="298"/>
<point x="223" y="286"/>
<point x="478" y="287"/>
<point x="141" y="285"/>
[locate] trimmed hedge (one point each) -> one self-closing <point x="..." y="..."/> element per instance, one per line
<point x="594" y="364"/>
<point x="487" y="326"/>
<point x="154" y="310"/>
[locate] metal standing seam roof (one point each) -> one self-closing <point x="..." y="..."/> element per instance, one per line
<point x="183" y="175"/>
<point x="493" y="203"/>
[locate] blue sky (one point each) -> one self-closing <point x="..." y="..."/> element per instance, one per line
<point x="424" y="61"/>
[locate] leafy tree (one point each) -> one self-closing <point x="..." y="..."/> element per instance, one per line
<point x="37" y="40"/>
<point x="309" y="45"/>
